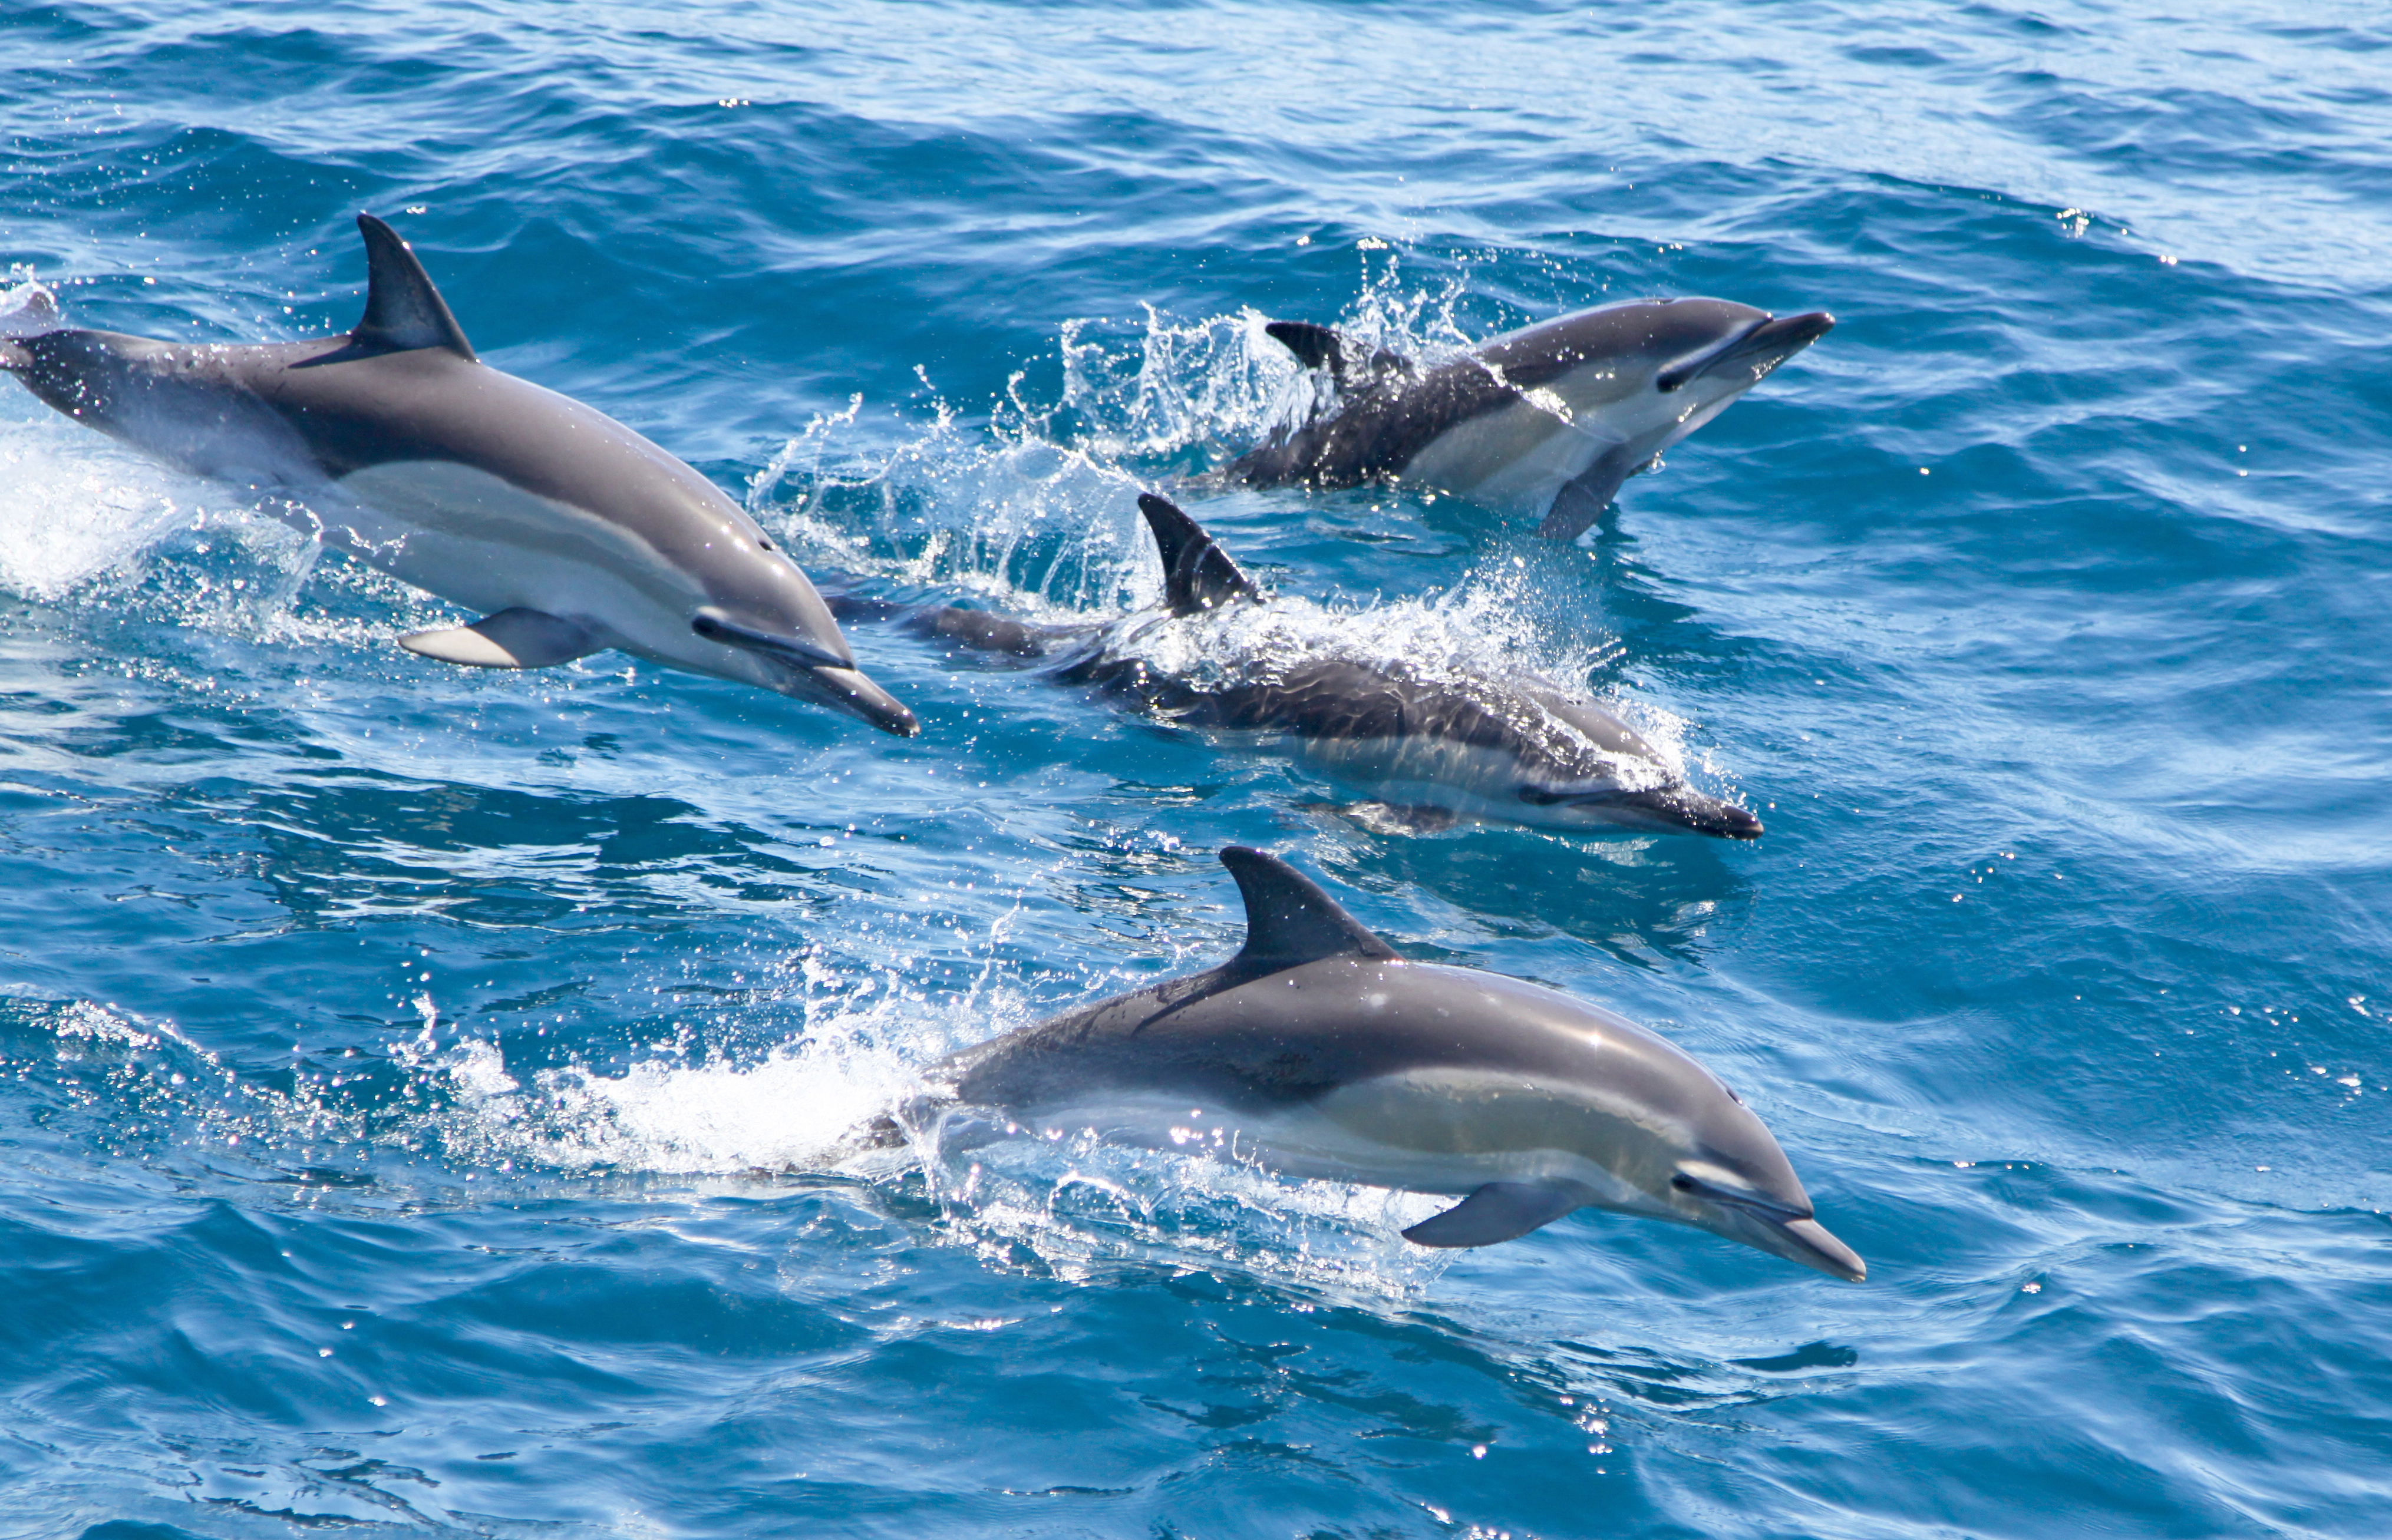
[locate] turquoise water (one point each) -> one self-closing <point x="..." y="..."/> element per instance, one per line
<point x="424" y="1090"/>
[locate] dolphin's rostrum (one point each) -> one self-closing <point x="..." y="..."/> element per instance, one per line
<point x="1547" y="420"/>
<point x="567" y="532"/>
<point x="1321" y="1052"/>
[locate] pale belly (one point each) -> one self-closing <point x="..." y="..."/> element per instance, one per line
<point x="1468" y="780"/>
<point x="1520" y="458"/>
<point x="1513" y="459"/>
<point x="488" y="546"/>
<point x="1341" y="1138"/>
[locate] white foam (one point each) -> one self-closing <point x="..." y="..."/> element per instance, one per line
<point x="1169" y="386"/>
<point x="797" y="1110"/>
<point x="1038" y="512"/>
<point x="28" y="310"/>
<point x="812" y="1108"/>
<point x="1076" y="1205"/>
<point x="74" y="505"/>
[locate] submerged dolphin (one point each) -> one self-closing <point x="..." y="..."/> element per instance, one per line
<point x="1317" y="1052"/>
<point x="1548" y="421"/>
<point x="1433" y="747"/>
<point x="566" y="531"/>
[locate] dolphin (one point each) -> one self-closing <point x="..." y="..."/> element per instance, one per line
<point x="1548" y="421"/>
<point x="1430" y="747"/>
<point x="1317" y="1052"/>
<point x="565" y="531"/>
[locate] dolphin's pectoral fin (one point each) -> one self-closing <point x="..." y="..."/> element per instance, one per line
<point x="714" y="626"/>
<point x="1196" y="574"/>
<point x="1498" y="1211"/>
<point x="510" y="638"/>
<point x="1581" y="502"/>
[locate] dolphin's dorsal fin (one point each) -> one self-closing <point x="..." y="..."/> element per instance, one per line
<point x="1350" y="360"/>
<point x="403" y="310"/>
<point x="1196" y="574"/>
<point x="1314" y="346"/>
<point x="1289" y="920"/>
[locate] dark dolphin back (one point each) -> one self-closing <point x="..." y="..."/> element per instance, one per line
<point x="190" y="405"/>
<point x="1290" y="924"/>
<point x="1376" y="430"/>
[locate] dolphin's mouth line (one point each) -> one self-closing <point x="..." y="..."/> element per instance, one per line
<point x="1545" y="796"/>
<point x="1694" y="366"/>
<point x="825" y="677"/>
<point x="714" y="626"/>
<point x="1764" y="1208"/>
<point x="1771" y="340"/>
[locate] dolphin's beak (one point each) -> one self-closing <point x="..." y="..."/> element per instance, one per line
<point x="1673" y="808"/>
<point x="1778" y="1223"/>
<point x="1790" y="334"/>
<point x="817" y="674"/>
<point x="1772" y="342"/>
<point x="1808" y="1242"/>
<point x="847" y="690"/>
<point x="1705" y="815"/>
<point x="1802" y="1240"/>
<point x="1761" y="347"/>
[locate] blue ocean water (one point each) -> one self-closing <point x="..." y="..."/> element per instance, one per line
<point x="424" y="1090"/>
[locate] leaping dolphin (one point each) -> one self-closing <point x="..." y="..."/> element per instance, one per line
<point x="1431" y="746"/>
<point x="1317" y="1052"/>
<point x="1548" y="421"/>
<point x="566" y="531"/>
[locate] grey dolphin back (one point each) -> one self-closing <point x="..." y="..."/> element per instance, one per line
<point x="404" y="310"/>
<point x="1289" y="921"/>
<point x="1196" y="574"/>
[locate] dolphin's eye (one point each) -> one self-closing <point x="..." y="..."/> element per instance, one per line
<point x="763" y="543"/>
<point x="1684" y="1182"/>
